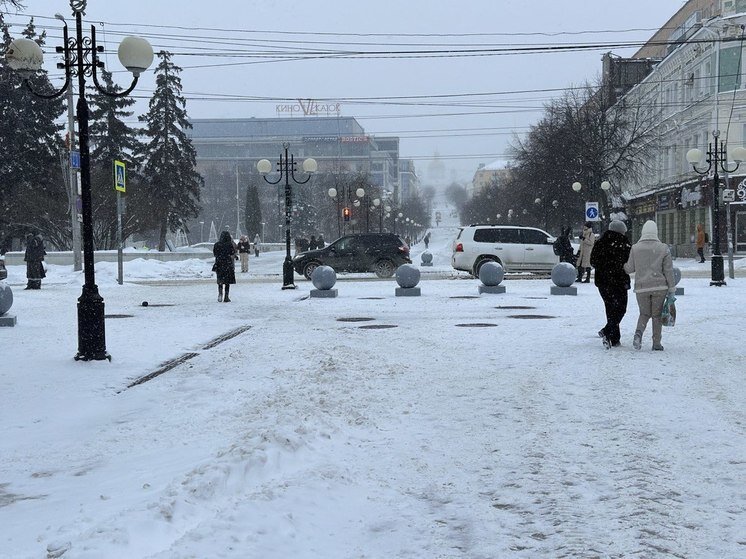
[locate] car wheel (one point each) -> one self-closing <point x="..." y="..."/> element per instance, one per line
<point x="309" y="268"/>
<point x="478" y="265"/>
<point x="384" y="268"/>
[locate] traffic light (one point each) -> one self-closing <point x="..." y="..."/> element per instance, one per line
<point x="346" y="213"/>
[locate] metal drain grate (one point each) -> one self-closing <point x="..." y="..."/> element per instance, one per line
<point x="515" y="307"/>
<point x="355" y="319"/>
<point x="378" y="326"/>
<point x="531" y="316"/>
<point x="371" y="298"/>
<point x="464" y="297"/>
<point x="118" y="315"/>
<point x="476" y="325"/>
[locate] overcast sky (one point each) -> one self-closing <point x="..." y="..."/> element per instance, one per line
<point x="463" y="107"/>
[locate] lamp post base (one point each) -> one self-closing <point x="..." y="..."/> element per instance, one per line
<point x="718" y="272"/>
<point x="287" y="274"/>
<point x="91" y="326"/>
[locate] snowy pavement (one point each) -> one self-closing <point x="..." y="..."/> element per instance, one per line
<point x="473" y="427"/>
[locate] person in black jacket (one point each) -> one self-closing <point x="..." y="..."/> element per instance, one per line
<point x="244" y="247"/>
<point x="225" y="256"/>
<point x="34" y="258"/>
<point x="609" y="254"/>
<point x="564" y="247"/>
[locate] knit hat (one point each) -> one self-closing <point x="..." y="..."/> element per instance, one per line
<point x="618" y="226"/>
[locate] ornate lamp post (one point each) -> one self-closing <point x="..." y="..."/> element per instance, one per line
<point x="81" y="60"/>
<point x="716" y="159"/>
<point x="286" y="168"/>
<point x="332" y="192"/>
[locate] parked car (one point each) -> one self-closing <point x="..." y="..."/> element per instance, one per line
<point x="3" y="269"/>
<point x="516" y="248"/>
<point x="381" y="253"/>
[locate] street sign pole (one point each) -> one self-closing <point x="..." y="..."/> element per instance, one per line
<point x="120" y="172"/>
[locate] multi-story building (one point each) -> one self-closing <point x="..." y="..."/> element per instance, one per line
<point x="487" y="174"/>
<point x="694" y="88"/>
<point x="228" y="149"/>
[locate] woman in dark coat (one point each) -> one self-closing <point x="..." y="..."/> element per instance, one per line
<point x="564" y="247"/>
<point x="34" y="257"/>
<point x="225" y="256"/>
<point x="608" y="257"/>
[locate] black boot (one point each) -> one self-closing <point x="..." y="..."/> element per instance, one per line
<point x="587" y="276"/>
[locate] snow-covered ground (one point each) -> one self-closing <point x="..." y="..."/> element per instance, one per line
<point x="306" y="436"/>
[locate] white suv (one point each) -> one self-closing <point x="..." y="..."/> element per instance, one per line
<point x="515" y="248"/>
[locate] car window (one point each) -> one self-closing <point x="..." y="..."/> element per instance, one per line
<point x="343" y="244"/>
<point x="512" y="236"/>
<point x="488" y="235"/>
<point x="533" y="237"/>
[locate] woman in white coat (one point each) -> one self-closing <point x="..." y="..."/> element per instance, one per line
<point x="650" y="261"/>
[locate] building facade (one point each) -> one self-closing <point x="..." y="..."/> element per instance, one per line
<point x="695" y="91"/>
<point x="228" y="149"/>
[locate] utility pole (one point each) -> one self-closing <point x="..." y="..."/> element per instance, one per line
<point x="238" y="207"/>
<point x="73" y="184"/>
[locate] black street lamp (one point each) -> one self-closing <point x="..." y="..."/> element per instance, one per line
<point x="716" y="159"/>
<point x="81" y="59"/>
<point x="286" y="168"/>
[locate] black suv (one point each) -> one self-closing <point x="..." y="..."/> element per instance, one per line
<point x="381" y="253"/>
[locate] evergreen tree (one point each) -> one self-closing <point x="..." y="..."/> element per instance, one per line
<point x="171" y="180"/>
<point x="111" y="139"/>
<point x="253" y="213"/>
<point x="32" y="189"/>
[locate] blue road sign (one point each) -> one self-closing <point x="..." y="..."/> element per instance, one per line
<point x="75" y="159"/>
<point x="591" y="211"/>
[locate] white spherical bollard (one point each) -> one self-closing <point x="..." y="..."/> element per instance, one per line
<point x="491" y="274"/>
<point x="324" y="277"/>
<point x="407" y="276"/>
<point x="6" y="297"/>
<point x="564" y="274"/>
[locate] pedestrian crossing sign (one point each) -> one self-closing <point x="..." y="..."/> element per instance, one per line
<point x="119" y="176"/>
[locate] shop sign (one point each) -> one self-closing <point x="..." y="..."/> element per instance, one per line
<point x="354" y="139"/>
<point x="665" y="201"/>
<point x="309" y="107"/>
<point x="690" y="197"/>
<point x="319" y="139"/>
<point x="741" y="191"/>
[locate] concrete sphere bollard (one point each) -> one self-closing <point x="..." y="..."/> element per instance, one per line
<point x="324" y="277"/>
<point x="564" y="274"/>
<point x="407" y="276"/>
<point x="426" y="257"/>
<point x="491" y="274"/>
<point x="6" y="297"/>
<point x="676" y="275"/>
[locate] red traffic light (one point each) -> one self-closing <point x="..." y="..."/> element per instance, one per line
<point x="346" y="213"/>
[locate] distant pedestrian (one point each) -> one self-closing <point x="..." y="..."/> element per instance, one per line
<point x="427" y="239"/>
<point x="34" y="258"/>
<point x="312" y="243"/>
<point x="225" y="256"/>
<point x="587" y="239"/>
<point x="700" y="242"/>
<point x="563" y="246"/>
<point x="610" y="254"/>
<point x="304" y="244"/>
<point x="320" y="243"/>
<point x="257" y="240"/>
<point x="650" y="261"/>
<point x="244" y="247"/>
